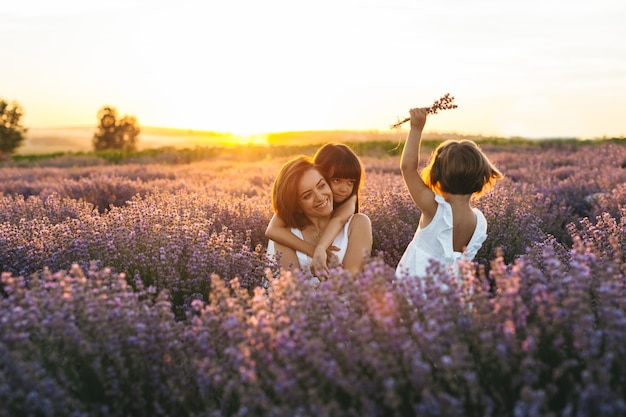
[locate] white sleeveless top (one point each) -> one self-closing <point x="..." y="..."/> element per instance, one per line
<point x="435" y="242"/>
<point x="341" y="241"/>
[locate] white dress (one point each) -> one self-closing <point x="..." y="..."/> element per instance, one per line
<point x="341" y="241"/>
<point x="435" y="242"/>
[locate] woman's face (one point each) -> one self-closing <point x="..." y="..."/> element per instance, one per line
<point x="342" y="188"/>
<point x="315" y="197"/>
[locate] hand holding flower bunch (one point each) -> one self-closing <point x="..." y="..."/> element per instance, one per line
<point x="445" y="102"/>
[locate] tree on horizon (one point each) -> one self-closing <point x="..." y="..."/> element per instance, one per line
<point x="114" y="133"/>
<point x="11" y="129"/>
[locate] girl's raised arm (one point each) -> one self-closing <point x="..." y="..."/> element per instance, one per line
<point x="421" y="194"/>
<point x="278" y="231"/>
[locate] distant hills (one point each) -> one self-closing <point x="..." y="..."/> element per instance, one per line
<point x="78" y="138"/>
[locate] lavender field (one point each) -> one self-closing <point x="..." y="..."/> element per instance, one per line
<point x="142" y="288"/>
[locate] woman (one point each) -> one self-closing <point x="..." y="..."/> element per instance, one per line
<point x="344" y="172"/>
<point x="302" y="198"/>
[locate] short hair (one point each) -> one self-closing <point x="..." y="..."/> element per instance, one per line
<point x="285" y="200"/>
<point x="337" y="160"/>
<point x="459" y="167"/>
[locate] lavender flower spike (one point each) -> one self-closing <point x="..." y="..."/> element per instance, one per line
<point x="445" y="102"/>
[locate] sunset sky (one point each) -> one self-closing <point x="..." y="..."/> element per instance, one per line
<point x="533" y="68"/>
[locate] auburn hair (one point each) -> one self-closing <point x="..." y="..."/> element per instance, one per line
<point x="459" y="167"/>
<point x="285" y="191"/>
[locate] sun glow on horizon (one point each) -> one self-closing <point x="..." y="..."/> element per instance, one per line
<point x="251" y="68"/>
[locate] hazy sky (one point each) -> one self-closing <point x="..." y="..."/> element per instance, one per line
<point x="532" y="68"/>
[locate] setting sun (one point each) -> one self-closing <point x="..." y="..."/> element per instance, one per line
<point x="250" y="68"/>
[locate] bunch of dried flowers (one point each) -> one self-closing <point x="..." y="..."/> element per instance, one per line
<point x="445" y="102"/>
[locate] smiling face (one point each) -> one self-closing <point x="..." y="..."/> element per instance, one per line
<point x="344" y="170"/>
<point x="315" y="197"/>
<point x="342" y="188"/>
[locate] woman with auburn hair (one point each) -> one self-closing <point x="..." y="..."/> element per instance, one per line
<point x="345" y="174"/>
<point x="303" y="199"/>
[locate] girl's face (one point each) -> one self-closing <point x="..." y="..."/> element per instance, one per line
<point x="315" y="197"/>
<point x="342" y="188"/>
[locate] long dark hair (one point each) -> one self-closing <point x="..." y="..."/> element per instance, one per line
<point x="339" y="161"/>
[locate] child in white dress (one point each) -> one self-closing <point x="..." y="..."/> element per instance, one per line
<point x="449" y="229"/>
